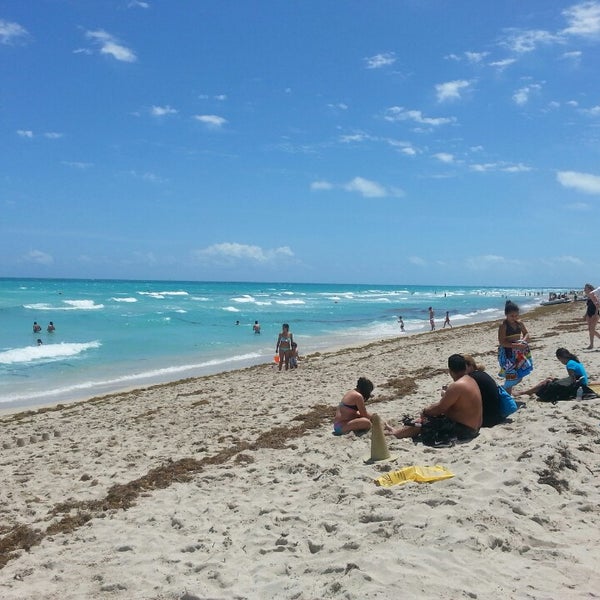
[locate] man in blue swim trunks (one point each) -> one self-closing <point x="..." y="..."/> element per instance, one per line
<point x="459" y="411"/>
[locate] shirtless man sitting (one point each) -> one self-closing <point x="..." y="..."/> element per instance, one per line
<point x="460" y="406"/>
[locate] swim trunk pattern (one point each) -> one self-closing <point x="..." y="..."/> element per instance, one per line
<point x="442" y="431"/>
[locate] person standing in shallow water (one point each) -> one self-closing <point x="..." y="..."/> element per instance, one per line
<point x="284" y="346"/>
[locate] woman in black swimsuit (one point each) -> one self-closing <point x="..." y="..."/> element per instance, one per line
<point x="351" y="414"/>
<point x="591" y="315"/>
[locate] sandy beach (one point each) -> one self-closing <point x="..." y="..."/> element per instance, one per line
<point x="233" y="486"/>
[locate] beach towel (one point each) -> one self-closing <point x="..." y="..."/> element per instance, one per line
<point x="514" y="364"/>
<point x="508" y="404"/>
<point x="419" y="474"/>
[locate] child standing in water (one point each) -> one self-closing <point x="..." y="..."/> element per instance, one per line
<point x="514" y="356"/>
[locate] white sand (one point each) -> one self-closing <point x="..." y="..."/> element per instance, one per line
<point x="216" y="511"/>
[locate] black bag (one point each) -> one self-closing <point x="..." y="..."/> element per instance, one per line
<point x="554" y="391"/>
<point x="438" y="432"/>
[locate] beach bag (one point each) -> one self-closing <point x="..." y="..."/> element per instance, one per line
<point x="506" y="403"/>
<point x="555" y="391"/>
<point x="438" y="432"/>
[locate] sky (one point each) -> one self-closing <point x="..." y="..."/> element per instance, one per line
<point x="404" y="142"/>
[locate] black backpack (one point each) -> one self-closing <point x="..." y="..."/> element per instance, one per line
<point x="554" y="391"/>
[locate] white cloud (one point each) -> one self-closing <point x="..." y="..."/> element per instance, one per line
<point x="365" y="187"/>
<point x="399" y="113"/>
<point x="12" y="33"/>
<point x="111" y="46"/>
<point x="522" y="95"/>
<point x="221" y="97"/>
<point x="570" y="260"/>
<point x="53" y="135"/>
<point x="380" y="60"/>
<point x="444" y="157"/>
<point x="451" y="90"/>
<point x="590" y="112"/>
<point x="38" y="257"/>
<point x="520" y="168"/>
<point x="417" y="260"/>
<point x="321" y="185"/>
<point x="77" y="164"/>
<point x="472" y="57"/>
<point x="583" y="19"/>
<point x="476" y="57"/>
<point x="489" y="261"/>
<point x="26" y="133"/>
<point x="161" y="111"/>
<point x="354" y="137"/>
<point x="502" y="64"/>
<point x="409" y="151"/>
<point x="213" y="121"/>
<point x="520" y="41"/>
<point x="138" y="4"/>
<point x="582" y="182"/>
<point x="232" y="252"/>
<point x="147" y="176"/>
<point x="499" y="166"/>
<point x="574" y="56"/>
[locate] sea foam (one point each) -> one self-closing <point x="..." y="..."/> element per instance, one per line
<point x="45" y="352"/>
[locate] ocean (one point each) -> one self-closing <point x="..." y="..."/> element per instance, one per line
<point x="114" y="335"/>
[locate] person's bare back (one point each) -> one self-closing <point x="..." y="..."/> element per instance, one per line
<point x="461" y="403"/>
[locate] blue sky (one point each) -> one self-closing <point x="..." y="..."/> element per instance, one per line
<point x="403" y="142"/>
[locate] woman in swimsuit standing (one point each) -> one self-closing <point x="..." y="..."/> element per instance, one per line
<point x="514" y="355"/>
<point x="591" y="314"/>
<point x="351" y="414"/>
<point x="284" y="346"/>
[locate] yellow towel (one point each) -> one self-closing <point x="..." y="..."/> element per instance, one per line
<point x="414" y="473"/>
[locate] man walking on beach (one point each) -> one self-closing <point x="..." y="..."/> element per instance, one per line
<point x="458" y="413"/>
<point x="431" y="318"/>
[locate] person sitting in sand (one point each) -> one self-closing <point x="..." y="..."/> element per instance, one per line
<point x="490" y="399"/>
<point x="458" y="413"/>
<point x="576" y="373"/>
<point x="351" y="413"/>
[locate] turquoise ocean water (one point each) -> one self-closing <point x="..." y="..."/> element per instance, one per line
<point x="112" y="335"/>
